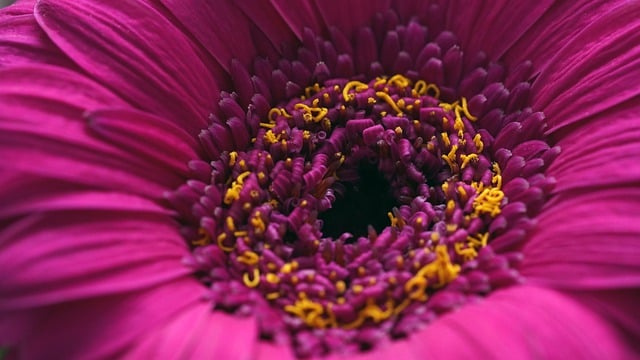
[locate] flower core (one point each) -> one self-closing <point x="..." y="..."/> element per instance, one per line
<point x="343" y="207"/>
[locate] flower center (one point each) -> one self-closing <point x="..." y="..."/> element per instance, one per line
<point x="352" y="208"/>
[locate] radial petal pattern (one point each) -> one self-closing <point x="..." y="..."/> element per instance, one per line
<point x="101" y="105"/>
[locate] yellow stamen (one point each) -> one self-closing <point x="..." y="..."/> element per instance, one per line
<point x="252" y="282"/>
<point x="384" y="96"/>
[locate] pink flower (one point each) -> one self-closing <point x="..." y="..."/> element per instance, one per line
<point x="120" y="148"/>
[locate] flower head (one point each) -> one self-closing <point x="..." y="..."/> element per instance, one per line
<point x="253" y="180"/>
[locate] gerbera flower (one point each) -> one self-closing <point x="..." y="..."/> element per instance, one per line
<point x="370" y="179"/>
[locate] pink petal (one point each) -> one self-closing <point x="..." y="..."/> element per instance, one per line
<point x="492" y="27"/>
<point x="138" y="53"/>
<point x="148" y="136"/>
<point x="50" y="258"/>
<point x="349" y="15"/>
<point x="219" y="27"/>
<point x="597" y="69"/>
<point x="522" y="322"/>
<point x="199" y="333"/>
<point x="601" y="151"/>
<point x="43" y="131"/>
<point x="587" y="239"/>
<point x="106" y="327"/>
<point x="23" y="42"/>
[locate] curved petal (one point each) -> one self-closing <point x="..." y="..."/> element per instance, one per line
<point x="43" y="131"/>
<point x="139" y="54"/>
<point x="492" y="27"/>
<point x="220" y="27"/>
<point x="521" y="322"/>
<point x="49" y="258"/>
<point x="78" y="329"/>
<point x="587" y="239"/>
<point x="597" y="69"/>
<point x="23" y="42"/>
<point x="198" y="333"/>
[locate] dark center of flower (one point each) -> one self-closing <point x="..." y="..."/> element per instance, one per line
<point x="340" y="209"/>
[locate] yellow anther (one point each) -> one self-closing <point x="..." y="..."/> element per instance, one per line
<point x="371" y="101"/>
<point x="384" y="96"/>
<point x="272" y="278"/>
<point x="466" y="159"/>
<point x="462" y="193"/>
<point x="221" y="238"/>
<point x="240" y="233"/>
<point x="248" y="258"/>
<point x="232" y="158"/>
<point x="355" y="85"/>
<point x="479" y="240"/>
<point x="271" y="266"/>
<point x="240" y="179"/>
<point x="380" y="81"/>
<point x="445" y="139"/>
<point x="357" y="289"/>
<point x="294" y="279"/>
<point x="467" y="253"/>
<point x="488" y="202"/>
<point x="435" y="237"/>
<point x="230" y="224"/>
<point x="398" y="130"/>
<point x="204" y="239"/>
<point x="252" y="281"/>
<point x="273" y="114"/>
<point x="477" y="141"/>
<point x="270" y="137"/>
<point x="451" y="228"/>
<point x="306" y="134"/>
<point x="416" y="288"/>
<point x="400" y="81"/>
<point x="448" y="106"/>
<point x="267" y="126"/>
<point x="273" y="295"/>
<point x="286" y="268"/>
<point x="465" y="110"/>
<point x="340" y="286"/>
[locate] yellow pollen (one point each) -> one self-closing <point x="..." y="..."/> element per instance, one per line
<point x="254" y="281"/>
<point x="273" y="295"/>
<point x="232" y="158"/>
<point x="248" y="258"/>
<point x="272" y="278"/>
<point x="340" y="286"/>
<point x="466" y="159"/>
<point x="221" y="238"/>
<point x="465" y="110"/>
<point x="204" y="238"/>
<point x="356" y="85"/>
<point x="384" y="96"/>
<point x="477" y="141"/>
<point x="399" y="81"/>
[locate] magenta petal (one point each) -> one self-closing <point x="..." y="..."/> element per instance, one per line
<point x="349" y="15"/>
<point x="492" y="27"/>
<point x="148" y="136"/>
<point x="198" y="333"/>
<point x="23" y="42"/>
<point x="522" y="322"/>
<point x="43" y="131"/>
<point x="596" y="70"/>
<point x="105" y="327"/>
<point x="606" y="144"/>
<point x="76" y="254"/>
<point x="587" y="239"/>
<point x="138" y="53"/>
<point x="219" y="27"/>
